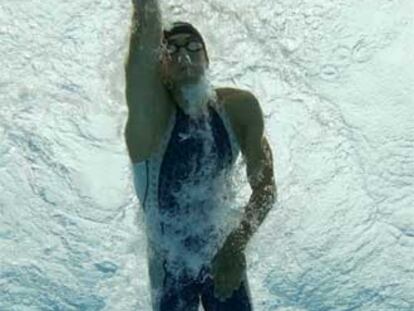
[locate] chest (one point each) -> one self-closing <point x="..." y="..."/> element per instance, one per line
<point x="197" y="149"/>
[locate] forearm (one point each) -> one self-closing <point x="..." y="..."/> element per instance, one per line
<point x="142" y="64"/>
<point x="264" y="195"/>
<point x="259" y="205"/>
<point x="146" y="30"/>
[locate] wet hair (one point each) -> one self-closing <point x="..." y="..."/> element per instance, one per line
<point x="185" y="28"/>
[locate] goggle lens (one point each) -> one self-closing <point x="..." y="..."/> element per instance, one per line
<point x="191" y="46"/>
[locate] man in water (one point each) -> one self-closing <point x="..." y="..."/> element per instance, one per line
<point x="183" y="138"/>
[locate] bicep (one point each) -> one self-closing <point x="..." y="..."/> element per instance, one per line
<point x="259" y="162"/>
<point x="256" y="150"/>
<point x="143" y="80"/>
<point x="146" y="96"/>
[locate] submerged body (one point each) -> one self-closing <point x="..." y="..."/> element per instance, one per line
<point x="184" y="187"/>
<point x="185" y="191"/>
<point x="183" y="138"/>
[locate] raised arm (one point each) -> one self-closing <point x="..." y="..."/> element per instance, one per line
<point x="146" y="96"/>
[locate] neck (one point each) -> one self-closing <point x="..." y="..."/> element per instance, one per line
<point x="193" y="98"/>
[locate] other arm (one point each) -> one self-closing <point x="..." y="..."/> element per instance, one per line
<point x="247" y="118"/>
<point x="259" y="164"/>
<point x="229" y="264"/>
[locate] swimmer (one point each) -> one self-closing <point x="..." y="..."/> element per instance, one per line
<point x="183" y="138"/>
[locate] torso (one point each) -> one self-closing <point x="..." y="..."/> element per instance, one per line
<point x="185" y="182"/>
<point x="152" y="134"/>
<point x="198" y="151"/>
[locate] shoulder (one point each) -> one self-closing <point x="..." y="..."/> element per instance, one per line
<point x="233" y="94"/>
<point x="241" y="105"/>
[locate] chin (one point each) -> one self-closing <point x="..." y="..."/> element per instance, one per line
<point x="189" y="77"/>
<point x="188" y="80"/>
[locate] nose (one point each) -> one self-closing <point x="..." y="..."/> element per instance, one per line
<point x="183" y="56"/>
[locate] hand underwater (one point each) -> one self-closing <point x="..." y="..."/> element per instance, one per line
<point x="228" y="267"/>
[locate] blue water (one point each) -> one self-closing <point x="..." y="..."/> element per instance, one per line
<point x="336" y="83"/>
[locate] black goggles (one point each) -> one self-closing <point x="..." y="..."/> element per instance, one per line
<point x="193" y="45"/>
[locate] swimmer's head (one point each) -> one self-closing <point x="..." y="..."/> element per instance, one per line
<point x="184" y="59"/>
<point x="185" y="28"/>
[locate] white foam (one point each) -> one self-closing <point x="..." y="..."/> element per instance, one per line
<point x="197" y="96"/>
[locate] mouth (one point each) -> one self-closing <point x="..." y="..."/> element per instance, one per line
<point x="186" y="69"/>
<point x="183" y="67"/>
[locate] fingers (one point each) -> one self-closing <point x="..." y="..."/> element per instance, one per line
<point x="225" y="287"/>
<point x="227" y="276"/>
<point x="221" y="290"/>
<point x="222" y="294"/>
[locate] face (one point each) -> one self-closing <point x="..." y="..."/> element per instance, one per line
<point x="185" y="61"/>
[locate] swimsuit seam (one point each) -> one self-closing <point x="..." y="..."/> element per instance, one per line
<point x="146" y="185"/>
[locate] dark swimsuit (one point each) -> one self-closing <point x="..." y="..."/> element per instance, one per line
<point x="193" y="160"/>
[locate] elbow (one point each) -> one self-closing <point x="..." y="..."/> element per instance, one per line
<point x="272" y="194"/>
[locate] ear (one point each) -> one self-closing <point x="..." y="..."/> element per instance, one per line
<point x="166" y="77"/>
<point x="207" y="61"/>
<point x="164" y="67"/>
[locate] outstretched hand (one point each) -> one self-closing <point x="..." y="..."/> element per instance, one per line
<point x="228" y="267"/>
